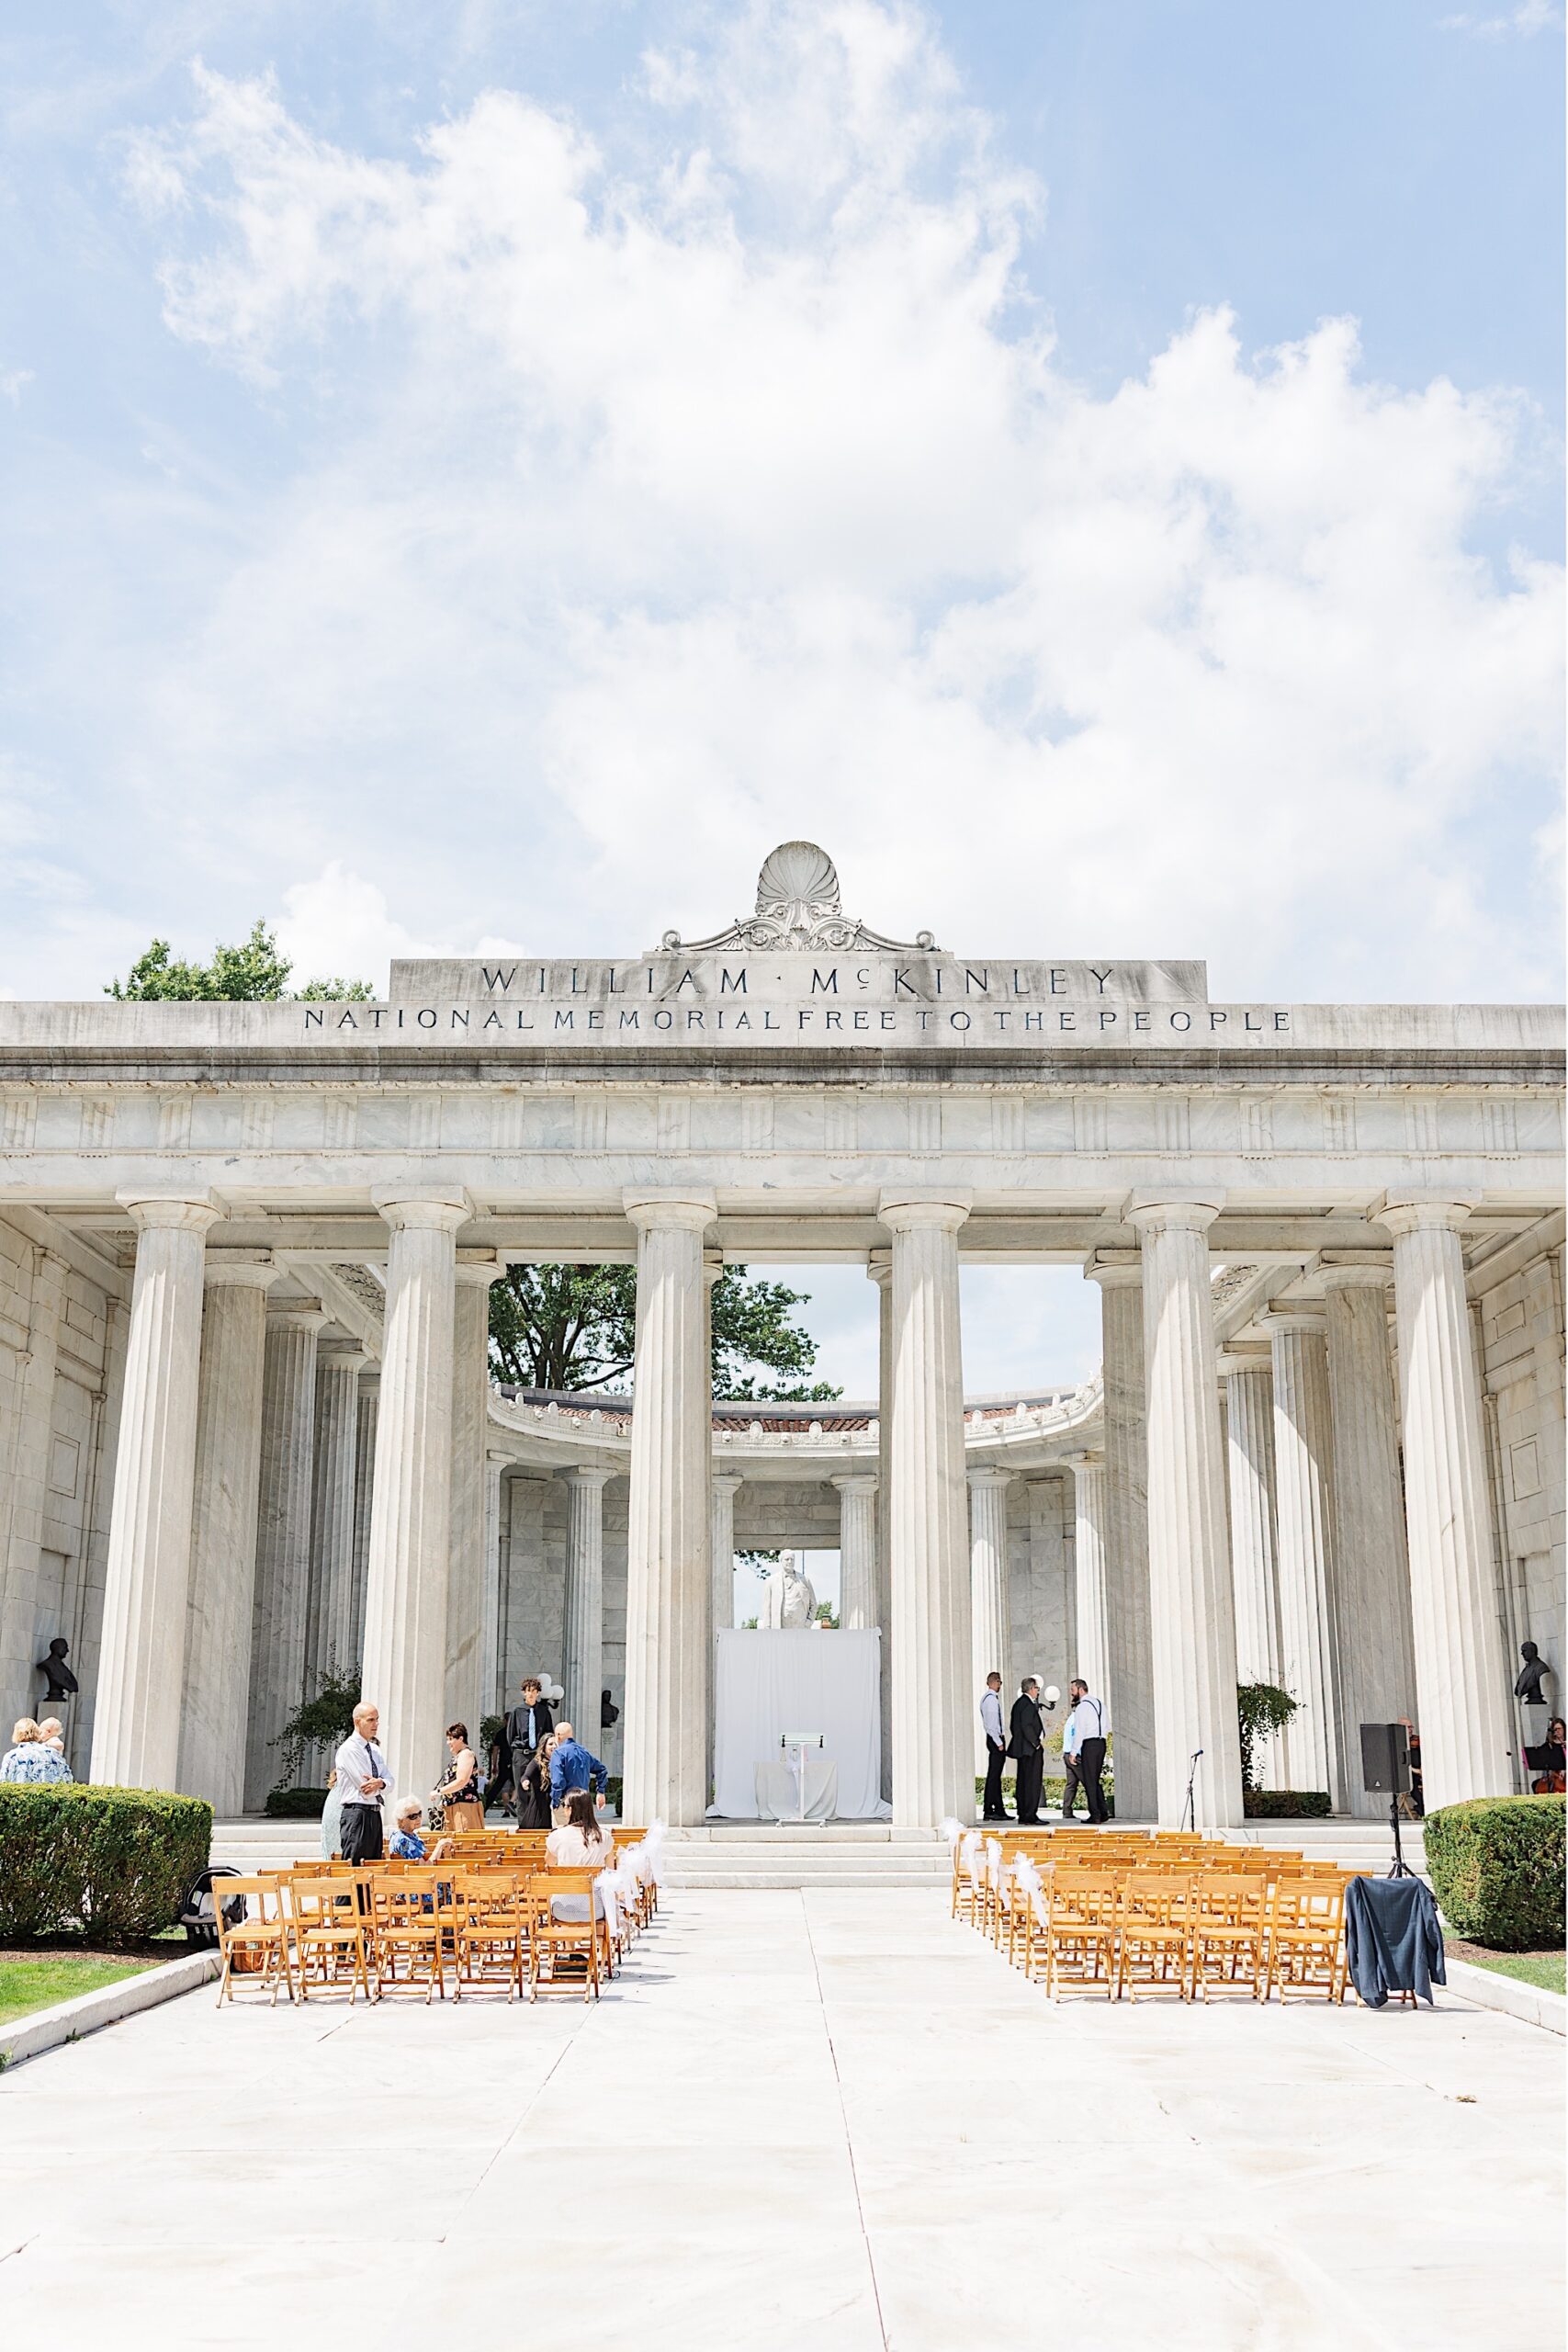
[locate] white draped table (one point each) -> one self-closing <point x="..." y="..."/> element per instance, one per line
<point x="770" y="1683"/>
<point x="780" y="1796"/>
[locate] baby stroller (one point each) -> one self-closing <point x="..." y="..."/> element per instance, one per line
<point x="198" y="1912"/>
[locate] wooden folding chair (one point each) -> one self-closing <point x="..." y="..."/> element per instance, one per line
<point x="489" y="1933"/>
<point x="1152" y="1949"/>
<point x="563" y="1954"/>
<point x="331" y="1936"/>
<point x="1228" y="1917"/>
<point x="1080" y="1949"/>
<point x="256" y="1945"/>
<point x="408" y="1932"/>
<point x="1306" y="1937"/>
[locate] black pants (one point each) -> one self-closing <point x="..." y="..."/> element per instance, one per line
<point x="359" y="1833"/>
<point x="1083" y="1771"/>
<point x="1031" y="1781"/>
<point x="993" y="1809"/>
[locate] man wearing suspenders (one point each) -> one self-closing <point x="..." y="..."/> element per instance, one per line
<point x="1083" y="1752"/>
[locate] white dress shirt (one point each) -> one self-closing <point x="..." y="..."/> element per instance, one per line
<point x="1091" y="1719"/>
<point x="991" y="1717"/>
<point x="358" y="1760"/>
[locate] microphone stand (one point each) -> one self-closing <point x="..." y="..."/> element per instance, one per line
<point x="1189" y="1810"/>
<point x="1401" y="1867"/>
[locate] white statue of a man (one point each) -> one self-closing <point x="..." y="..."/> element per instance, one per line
<point x="789" y="1604"/>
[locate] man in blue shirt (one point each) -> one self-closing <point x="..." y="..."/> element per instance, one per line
<point x="1083" y="1752"/>
<point x="571" y="1767"/>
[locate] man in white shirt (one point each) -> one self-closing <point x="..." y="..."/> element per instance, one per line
<point x="993" y="1809"/>
<point x="364" y="1781"/>
<point x="1083" y="1752"/>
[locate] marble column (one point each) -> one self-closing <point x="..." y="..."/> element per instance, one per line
<point x="857" y="1549"/>
<point x="136" y="1724"/>
<point x="1254" y="1582"/>
<point x="330" y="1637"/>
<point x="933" y="1751"/>
<point x="669" y="1574"/>
<point x="280" y="1606"/>
<point x="584" y="1623"/>
<point x="1304" y="1519"/>
<point x="1192" y="1619"/>
<point x="367" y="1410"/>
<point x="464" y="1701"/>
<point x="410" y="1516"/>
<point x="223" y="1530"/>
<point x="879" y="1269"/>
<point x="988" y="1636"/>
<point x="1093" y="1657"/>
<point x="24" y="1491"/>
<point x="490" y="1690"/>
<point x="1127" y="1628"/>
<point x="1377" y="1662"/>
<point x="1460" y="1676"/>
<point x="724" y="1486"/>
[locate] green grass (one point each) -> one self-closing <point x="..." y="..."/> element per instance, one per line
<point x="27" y="1984"/>
<point x="1545" y="1969"/>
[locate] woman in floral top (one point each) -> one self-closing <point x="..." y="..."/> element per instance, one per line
<point x="27" y="1759"/>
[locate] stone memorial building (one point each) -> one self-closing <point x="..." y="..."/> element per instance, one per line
<point x="247" y="1426"/>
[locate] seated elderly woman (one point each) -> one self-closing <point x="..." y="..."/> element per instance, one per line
<point x="30" y="1757"/>
<point x="580" y="1844"/>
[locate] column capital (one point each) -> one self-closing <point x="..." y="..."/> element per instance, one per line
<point x="1115" y="1269"/>
<point x="671" y="1209"/>
<point x="713" y="1266"/>
<point x="295" y="1315"/>
<point x="239" y="1270"/>
<point x="479" y="1270"/>
<point x="1363" y="1274"/>
<point x="856" y="1482"/>
<point x="1088" y="1457"/>
<point x="343" y="1359"/>
<point x="729" y="1482"/>
<point x="586" y="1474"/>
<point x="1286" y="1319"/>
<point x="906" y="1212"/>
<point x="1411" y="1210"/>
<point x="879" y="1267"/>
<point x="987" y="1476"/>
<point x="439" y="1208"/>
<point x="501" y="1461"/>
<point x="171" y="1212"/>
<point x="1230" y="1360"/>
<point x="1152" y="1208"/>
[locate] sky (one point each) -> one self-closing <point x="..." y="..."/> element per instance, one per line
<point x="479" y="477"/>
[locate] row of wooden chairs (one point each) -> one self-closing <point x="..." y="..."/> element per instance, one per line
<point x="1191" y="1918"/>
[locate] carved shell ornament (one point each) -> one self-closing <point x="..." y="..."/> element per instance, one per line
<point x="798" y="909"/>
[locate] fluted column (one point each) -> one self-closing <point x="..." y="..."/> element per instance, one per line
<point x="280" y="1611"/>
<point x="407" y="1569"/>
<point x="1127" y="1629"/>
<point x="988" y="1631"/>
<point x="857" y="1549"/>
<point x="136" y="1725"/>
<point x="1461" y="1679"/>
<point x="1377" y="1663"/>
<point x="1303" y="1485"/>
<point x="932" y="1749"/>
<point x="470" y="1422"/>
<point x="24" y="1488"/>
<point x="669" y="1574"/>
<point x="724" y="1485"/>
<point x="1088" y="1554"/>
<point x="1254" y="1581"/>
<point x="1193" y="1619"/>
<point x="330" y="1636"/>
<point x="584" y="1614"/>
<point x="368" y="1412"/>
<point x="491" y="1692"/>
<point x="223" y="1530"/>
<point x="879" y="1269"/>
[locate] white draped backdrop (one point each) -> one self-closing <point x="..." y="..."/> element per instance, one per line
<point x="769" y="1683"/>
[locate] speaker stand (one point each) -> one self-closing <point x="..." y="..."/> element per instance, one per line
<point x="1401" y="1867"/>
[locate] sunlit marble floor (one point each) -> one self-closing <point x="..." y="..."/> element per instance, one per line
<point x="823" y="2120"/>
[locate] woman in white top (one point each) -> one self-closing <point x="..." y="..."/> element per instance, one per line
<point x="582" y="1845"/>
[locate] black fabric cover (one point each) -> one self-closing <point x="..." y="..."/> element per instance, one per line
<point x="1393" y="1938"/>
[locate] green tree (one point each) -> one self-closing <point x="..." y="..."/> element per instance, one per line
<point x="1261" y="1708"/>
<point x="575" y="1327"/>
<point x="255" y="973"/>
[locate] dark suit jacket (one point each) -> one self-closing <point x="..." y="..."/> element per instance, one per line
<point x="517" y="1727"/>
<point x="1027" y="1727"/>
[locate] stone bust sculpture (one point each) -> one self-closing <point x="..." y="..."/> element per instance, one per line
<point x="789" y="1602"/>
<point x="1531" y="1676"/>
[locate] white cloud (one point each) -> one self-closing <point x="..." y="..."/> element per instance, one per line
<point x="12" y="382"/>
<point x="659" y="505"/>
<point x="1529" y="18"/>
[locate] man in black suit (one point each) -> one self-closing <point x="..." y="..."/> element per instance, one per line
<point x="528" y="1723"/>
<point x="1027" y="1744"/>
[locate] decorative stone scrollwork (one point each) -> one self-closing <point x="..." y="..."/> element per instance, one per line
<point x="798" y="909"/>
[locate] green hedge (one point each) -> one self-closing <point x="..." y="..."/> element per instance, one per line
<point x="114" y="1863"/>
<point x="1496" y="1869"/>
<point x="1284" y="1804"/>
<point x="295" y="1804"/>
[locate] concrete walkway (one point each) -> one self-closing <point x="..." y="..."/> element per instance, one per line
<point x="830" y="2120"/>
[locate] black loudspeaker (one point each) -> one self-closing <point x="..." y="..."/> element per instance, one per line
<point x="1385" y="1759"/>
